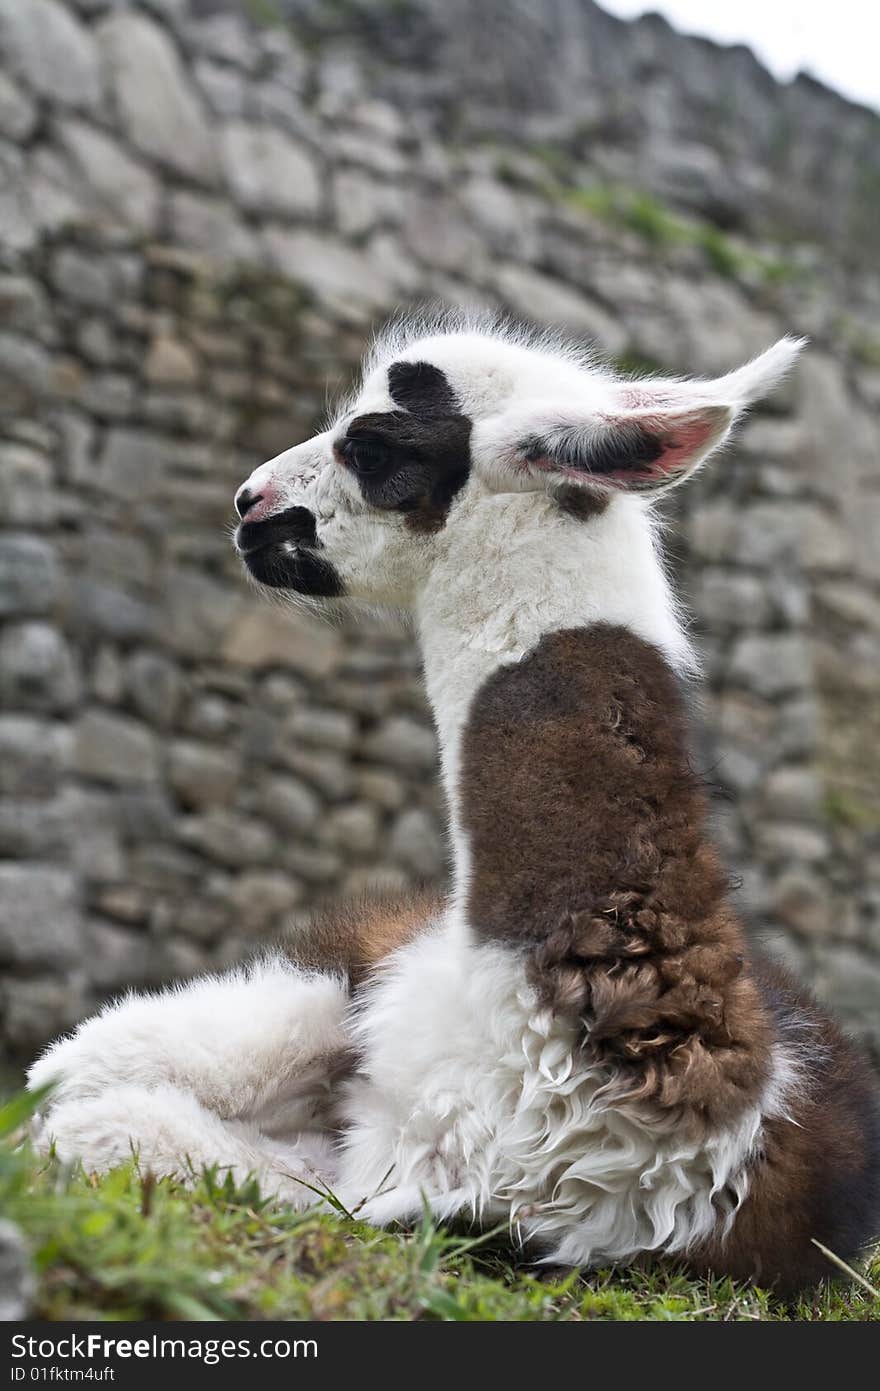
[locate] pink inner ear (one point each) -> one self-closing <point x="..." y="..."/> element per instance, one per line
<point x="686" y="437"/>
<point x="641" y="450"/>
<point x="680" y="436"/>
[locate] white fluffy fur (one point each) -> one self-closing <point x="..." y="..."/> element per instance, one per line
<point x="233" y="1070"/>
<point x="469" y="1095"/>
<point x="538" y="571"/>
<point x="506" y="1123"/>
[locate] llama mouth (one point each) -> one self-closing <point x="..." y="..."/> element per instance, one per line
<point x="282" y="552"/>
<point x="294" y="526"/>
<point x="285" y="564"/>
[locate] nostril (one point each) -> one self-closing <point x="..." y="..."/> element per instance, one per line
<point x="245" y="500"/>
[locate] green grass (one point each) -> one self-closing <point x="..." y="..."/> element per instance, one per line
<point x="266" y="14"/>
<point x="866" y="350"/>
<point x="127" y="1246"/>
<point x="662" y="229"/>
<point x="844" y="807"/>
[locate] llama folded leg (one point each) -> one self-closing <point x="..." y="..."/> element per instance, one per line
<point x="249" y="1059"/>
<point x="168" y="1132"/>
<point x="258" y="1046"/>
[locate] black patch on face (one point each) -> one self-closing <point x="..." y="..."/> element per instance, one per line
<point x="293" y="524"/>
<point x="421" y="388"/>
<point x="416" y="458"/>
<point x="581" y="502"/>
<point x="622" y="449"/>
<point x="283" y="552"/>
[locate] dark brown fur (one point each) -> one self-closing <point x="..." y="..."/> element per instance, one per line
<point x="426" y="517"/>
<point x="583" y="503"/>
<point x="818" y="1177"/>
<point x="590" y="854"/>
<point x="589" y="849"/>
<point x="352" y="938"/>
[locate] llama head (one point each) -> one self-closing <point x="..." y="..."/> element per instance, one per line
<point x="451" y="416"/>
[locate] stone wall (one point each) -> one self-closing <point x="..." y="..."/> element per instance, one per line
<point x="203" y="209"/>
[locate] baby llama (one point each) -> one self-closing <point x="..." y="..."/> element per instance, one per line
<point x="577" y="1040"/>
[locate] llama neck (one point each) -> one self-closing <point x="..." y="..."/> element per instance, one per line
<point x="514" y="569"/>
<point x="580" y="831"/>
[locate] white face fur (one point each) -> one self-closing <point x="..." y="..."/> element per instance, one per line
<point x="448" y="418"/>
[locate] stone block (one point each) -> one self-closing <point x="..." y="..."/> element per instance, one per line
<point x="38" y="669"/>
<point x="114" y="749"/>
<point x="40" y="921"/>
<point x="155" y="685"/>
<point x="261" y="898"/>
<point x="228" y="838"/>
<point x="353" y="828"/>
<point x="120" y="183"/>
<point x="200" y="775"/>
<point x="268" y="172"/>
<point x="52" y="51"/>
<point x="36" y="1010"/>
<point x="27" y="492"/>
<point x="772" y="664"/>
<point x="159" y="111"/>
<point x="34" y="755"/>
<point x="290" y="804"/>
<point x="404" y="743"/>
<point x="417" y="843"/>
<point x="261" y="637"/>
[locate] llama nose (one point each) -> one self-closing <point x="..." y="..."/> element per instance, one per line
<point x="245" y="500"/>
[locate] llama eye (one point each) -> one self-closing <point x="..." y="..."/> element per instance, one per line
<point x="363" y="455"/>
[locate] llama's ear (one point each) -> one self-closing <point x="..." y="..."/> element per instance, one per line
<point x="650" y="434"/>
<point x="642" y="450"/>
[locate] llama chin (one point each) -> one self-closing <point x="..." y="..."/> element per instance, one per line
<point x="577" y="1041"/>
